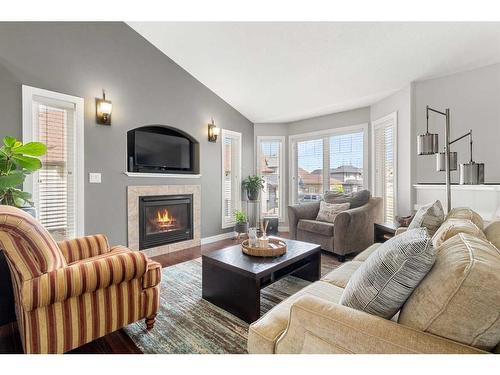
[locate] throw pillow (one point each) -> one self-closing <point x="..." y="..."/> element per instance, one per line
<point x="466" y="213"/>
<point x="492" y="233"/>
<point x="459" y="299"/>
<point x="390" y="274"/>
<point x="452" y="227"/>
<point x="430" y="216"/>
<point x="329" y="211"/>
<point x="356" y="199"/>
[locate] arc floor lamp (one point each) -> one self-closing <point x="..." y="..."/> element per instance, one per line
<point x="471" y="173"/>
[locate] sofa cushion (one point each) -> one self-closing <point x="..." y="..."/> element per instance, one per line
<point x="492" y="232"/>
<point x="452" y="227"/>
<point x="384" y="281"/>
<point x="340" y="276"/>
<point x="365" y="254"/>
<point x="314" y="226"/>
<point x="356" y="199"/>
<point x="460" y="297"/>
<point x="468" y="214"/>
<point x="430" y="216"/>
<point x="329" y="211"/>
<point x="263" y="334"/>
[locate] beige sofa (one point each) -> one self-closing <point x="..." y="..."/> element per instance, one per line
<point x="313" y="321"/>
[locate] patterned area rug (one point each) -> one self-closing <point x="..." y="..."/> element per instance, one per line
<point x="186" y="323"/>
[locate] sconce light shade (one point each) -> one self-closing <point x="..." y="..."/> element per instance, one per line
<point x="103" y="110"/>
<point x="427" y="144"/>
<point x="471" y="173"/>
<point x="213" y="132"/>
<point x="440" y="161"/>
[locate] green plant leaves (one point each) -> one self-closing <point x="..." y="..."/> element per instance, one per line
<point x="11" y="180"/>
<point x="9" y="141"/>
<point x="27" y="162"/>
<point x="30" y="148"/>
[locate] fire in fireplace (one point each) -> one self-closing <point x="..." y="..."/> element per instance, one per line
<point x="165" y="219"/>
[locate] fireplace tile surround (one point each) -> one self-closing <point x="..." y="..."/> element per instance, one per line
<point x="133" y="194"/>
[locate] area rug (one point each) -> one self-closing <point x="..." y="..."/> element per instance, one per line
<point x="186" y="323"/>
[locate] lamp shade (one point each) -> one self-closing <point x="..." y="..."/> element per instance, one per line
<point x="427" y="144"/>
<point x="471" y="173"/>
<point x="441" y="161"/>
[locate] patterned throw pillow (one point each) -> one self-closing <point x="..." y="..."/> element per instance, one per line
<point x="356" y="199"/>
<point x="382" y="284"/>
<point x="329" y="211"/>
<point x="430" y="216"/>
<point x="452" y="227"/>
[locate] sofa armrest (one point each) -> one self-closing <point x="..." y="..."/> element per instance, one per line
<point x="301" y="211"/>
<point x="84" y="247"/>
<point x="320" y="326"/>
<point x="353" y="229"/>
<point x="400" y="230"/>
<point x="83" y="277"/>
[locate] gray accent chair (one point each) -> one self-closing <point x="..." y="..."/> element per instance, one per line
<point x="351" y="232"/>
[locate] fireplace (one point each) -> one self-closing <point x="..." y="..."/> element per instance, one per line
<point x="165" y="219"/>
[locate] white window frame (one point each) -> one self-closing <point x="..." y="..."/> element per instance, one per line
<point x="325" y="135"/>
<point x="30" y="133"/>
<point x="237" y="193"/>
<point x="281" y="140"/>
<point x="391" y="118"/>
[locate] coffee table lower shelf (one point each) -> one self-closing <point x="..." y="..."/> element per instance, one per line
<point x="238" y="291"/>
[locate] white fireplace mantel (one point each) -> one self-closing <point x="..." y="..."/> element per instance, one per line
<point x="484" y="199"/>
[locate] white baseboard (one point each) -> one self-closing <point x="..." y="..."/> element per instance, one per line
<point x="217" y="237"/>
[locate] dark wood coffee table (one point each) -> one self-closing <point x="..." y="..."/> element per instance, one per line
<point x="233" y="280"/>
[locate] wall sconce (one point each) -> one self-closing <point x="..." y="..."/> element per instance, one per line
<point x="103" y="110"/>
<point x="213" y="132"/>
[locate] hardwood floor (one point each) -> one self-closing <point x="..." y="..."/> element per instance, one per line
<point x="117" y="342"/>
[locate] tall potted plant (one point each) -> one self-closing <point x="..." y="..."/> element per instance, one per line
<point x="241" y="225"/>
<point x="18" y="160"/>
<point x="253" y="185"/>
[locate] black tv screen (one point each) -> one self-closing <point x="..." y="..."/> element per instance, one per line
<point x="162" y="151"/>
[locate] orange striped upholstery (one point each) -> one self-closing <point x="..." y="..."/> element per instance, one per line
<point x="83" y="248"/>
<point x="68" y="305"/>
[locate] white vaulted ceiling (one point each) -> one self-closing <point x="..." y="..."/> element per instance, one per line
<point x="279" y="72"/>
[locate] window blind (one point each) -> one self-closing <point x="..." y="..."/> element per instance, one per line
<point x="231" y="172"/>
<point x="309" y="182"/>
<point x="56" y="186"/>
<point x="346" y="162"/>
<point x="384" y="144"/>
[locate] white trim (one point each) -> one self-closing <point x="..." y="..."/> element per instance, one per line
<point x="162" y="175"/>
<point x="283" y="228"/>
<point x="282" y="140"/>
<point x="324" y="134"/>
<point x="237" y="177"/>
<point x="217" y="237"/>
<point x="492" y="187"/>
<point x="391" y="118"/>
<point x="30" y="133"/>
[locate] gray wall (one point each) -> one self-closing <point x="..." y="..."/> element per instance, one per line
<point x="400" y="102"/>
<point x="145" y="86"/>
<point x="335" y="120"/>
<point x="474" y="101"/>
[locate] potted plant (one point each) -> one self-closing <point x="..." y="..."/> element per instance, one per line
<point x="18" y="160"/>
<point x="253" y="185"/>
<point x="241" y="225"/>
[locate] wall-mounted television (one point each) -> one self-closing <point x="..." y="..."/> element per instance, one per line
<point x="161" y="149"/>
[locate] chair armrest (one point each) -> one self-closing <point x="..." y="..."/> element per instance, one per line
<point x="81" y="278"/>
<point x="297" y="212"/>
<point x="353" y="229"/>
<point x="84" y="247"/>
<point x="320" y="326"/>
<point x="400" y="230"/>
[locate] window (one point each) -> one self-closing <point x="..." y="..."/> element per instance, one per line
<point x="384" y="163"/>
<point x="231" y="176"/>
<point x="270" y="168"/>
<point x="56" y="120"/>
<point x="341" y="152"/>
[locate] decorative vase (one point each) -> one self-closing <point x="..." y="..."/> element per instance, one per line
<point x="252" y="236"/>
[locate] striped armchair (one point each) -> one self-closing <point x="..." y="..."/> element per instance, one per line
<point x="70" y="293"/>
